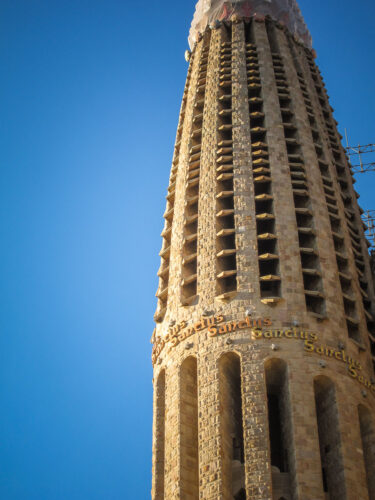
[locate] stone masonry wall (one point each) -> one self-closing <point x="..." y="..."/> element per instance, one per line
<point x="311" y="345"/>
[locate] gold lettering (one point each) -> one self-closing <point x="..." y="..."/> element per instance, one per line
<point x="320" y="350"/>
<point x="234" y="325"/>
<point x="174" y="341"/>
<point x="199" y="326"/>
<point x="189" y="332"/>
<point x="223" y="329"/>
<point x="256" y="333"/>
<point x="309" y="346"/>
<point x="352" y="371"/>
<point x="182" y="336"/>
<point x="212" y="331"/>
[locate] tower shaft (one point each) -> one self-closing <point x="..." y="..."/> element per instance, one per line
<point x="263" y="368"/>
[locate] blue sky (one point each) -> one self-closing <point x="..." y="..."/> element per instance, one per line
<point x="89" y="100"/>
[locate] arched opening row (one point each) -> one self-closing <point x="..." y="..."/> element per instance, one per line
<point x="279" y="448"/>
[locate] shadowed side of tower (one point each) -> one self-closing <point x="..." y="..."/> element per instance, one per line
<point x="263" y="348"/>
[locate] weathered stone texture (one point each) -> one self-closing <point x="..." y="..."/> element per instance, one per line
<point x="207" y="471"/>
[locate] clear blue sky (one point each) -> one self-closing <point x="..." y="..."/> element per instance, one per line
<point x="89" y="98"/>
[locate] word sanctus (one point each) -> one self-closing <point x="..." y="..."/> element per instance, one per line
<point x="354" y="367"/>
<point x="214" y="325"/>
<point x="330" y="352"/>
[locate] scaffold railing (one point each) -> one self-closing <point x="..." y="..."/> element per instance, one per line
<point x="368" y="218"/>
<point x="357" y="151"/>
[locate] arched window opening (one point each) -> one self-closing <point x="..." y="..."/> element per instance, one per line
<point x="189" y="429"/>
<point x="366" y="423"/>
<point x="241" y="495"/>
<point x="231" y="425"/>
<point x="160" y="436"/>
<point x="329" y="438"/>
<point x="279" y="426"/>
<point x="279" y="457"/>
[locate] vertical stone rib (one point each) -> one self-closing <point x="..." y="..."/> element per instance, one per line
<point x="159" y="438"/>
<point x="257" y="452"/>
<point x="245" y="222"/>
<point x="210" y="456"/>
<point x="367" y="430"/>
<point x="172" y="435"/>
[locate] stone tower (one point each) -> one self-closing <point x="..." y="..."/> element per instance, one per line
<point x="263" y="349"/>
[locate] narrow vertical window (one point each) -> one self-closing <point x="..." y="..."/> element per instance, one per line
<point x="160" y="437"/>
<point x="269" y="269"/>
<point x="329" y="439"/>
<point x="330" y="196"/>
<point x="189" y="429"/>
<point x="353" y="223"/>
<point x="241" y="495"/>
<point x="368" y="444"/>
<point x="190" y="255"/>
<point x="231" y="427"/>
<point x="225" y="226"/>
<point x="280" y="427"/>
<point x="311" y="272"/>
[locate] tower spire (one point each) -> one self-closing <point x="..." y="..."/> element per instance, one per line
<point x="287" y="12"/>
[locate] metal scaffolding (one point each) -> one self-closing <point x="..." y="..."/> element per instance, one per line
<point x="358" y="151"/>
<point x="361" y="167"/>
<point x="368" y="218"/>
